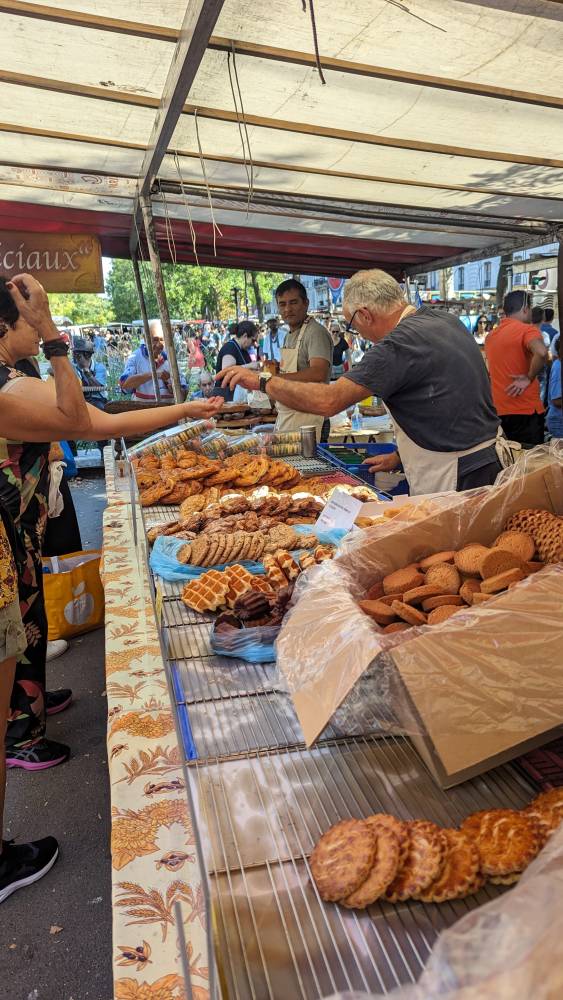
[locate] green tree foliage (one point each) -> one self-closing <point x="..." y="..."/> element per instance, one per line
<point x="192" y="292"/>
<point x="82" y="308"/>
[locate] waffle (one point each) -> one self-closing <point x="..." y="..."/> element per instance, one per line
<point x="287" y="564"/>
<point x="323" y="552"/>
<point x="240" y="580"/>
<point x="207" y="593"/>
<point x="262" y="586"/>
<point x="275" y="575"/>
<point x="306" y="560"/>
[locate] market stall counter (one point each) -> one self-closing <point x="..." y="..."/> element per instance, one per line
<point x="209" y="760"/>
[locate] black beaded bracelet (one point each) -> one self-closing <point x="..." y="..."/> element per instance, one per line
<point x="55" y="349"/>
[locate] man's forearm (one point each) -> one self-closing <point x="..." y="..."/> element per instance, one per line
<point x="536" y="365"/>
<point x="69" y="395"/>
<point x="306" y="375"/>
<point x="309" y="397"/>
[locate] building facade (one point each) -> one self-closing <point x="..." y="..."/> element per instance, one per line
<point x="534" y="269"/>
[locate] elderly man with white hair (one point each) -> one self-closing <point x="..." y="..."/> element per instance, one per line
<point x="137" y="377"/>
<point x="429" y="374"/>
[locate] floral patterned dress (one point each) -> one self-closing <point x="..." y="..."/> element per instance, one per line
<point x="24" y="488"/>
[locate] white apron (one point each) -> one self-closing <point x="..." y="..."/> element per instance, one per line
<point x="292" y="420"/>
<point x="436" y="471"/>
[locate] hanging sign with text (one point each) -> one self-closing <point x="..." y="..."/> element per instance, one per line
<point x="61" y="262"/>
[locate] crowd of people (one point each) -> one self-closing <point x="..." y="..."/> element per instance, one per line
<point x="459" y="413"/>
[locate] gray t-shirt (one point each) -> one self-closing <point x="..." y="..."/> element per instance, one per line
<point x="316" y="343"/>
<point x="432" y="378"/>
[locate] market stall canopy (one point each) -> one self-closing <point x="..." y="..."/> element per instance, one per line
<point x="438" y="133"/>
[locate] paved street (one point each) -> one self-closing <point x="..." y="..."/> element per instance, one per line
<point x="39" y="961"/>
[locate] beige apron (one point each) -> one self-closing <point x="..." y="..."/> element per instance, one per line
<point x="436" y="471"/>
<point x="292" y="420"/>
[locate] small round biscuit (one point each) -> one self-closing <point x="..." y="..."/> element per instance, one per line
<point x="402" y="579"/>
<point x="381" y="613"/>
<point x="423" y="863"/>
<point x="438" y="557"/>
<point x="418" y="594"/>
<point x="343" y="858"/>
<point x="533" y="566"/>
<point x="460" y="868"/>
<point x="409" y="614"/>
<point x="552" y="799"/>
<point x="383" y="871"/>
<point x="468" y="559"/>
<point x="499" y="561"/>
<point x="442" y="614"/>
<point x="506" y="840"/>
<point x="494" y="584"/>
<point x="468" y="589"/>
<point x="518" y="542"/>
<point x="444" y="600"/>
<point x="396" y="627"/>
<point x="375" y="591"/>
<point x="444" y="577"/>
<point x="389" y="598"/>
<point x="509" y="879"/>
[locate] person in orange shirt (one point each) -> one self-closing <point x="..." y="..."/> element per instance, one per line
<point x="516" y="354"/>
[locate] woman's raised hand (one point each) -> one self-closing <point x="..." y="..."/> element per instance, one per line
<point x="33" y="305"/>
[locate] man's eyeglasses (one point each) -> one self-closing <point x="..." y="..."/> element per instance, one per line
<point x="349" y="326"/>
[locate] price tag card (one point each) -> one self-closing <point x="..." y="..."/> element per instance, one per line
<point x="340" y="512"/>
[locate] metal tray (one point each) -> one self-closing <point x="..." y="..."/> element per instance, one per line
<point x="275" y="937"/>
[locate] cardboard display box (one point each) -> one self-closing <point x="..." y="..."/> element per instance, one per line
<point x="481" y="688"/>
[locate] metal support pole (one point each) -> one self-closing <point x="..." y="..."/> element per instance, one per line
<point x="560" y="303"/>
<point x="148" y="341"/>
<point x="161" y="298"/>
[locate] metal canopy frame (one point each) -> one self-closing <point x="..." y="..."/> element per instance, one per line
<point x="188" y="43"/>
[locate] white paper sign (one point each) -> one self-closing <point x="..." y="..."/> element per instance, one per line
<point x="340" y="512"/>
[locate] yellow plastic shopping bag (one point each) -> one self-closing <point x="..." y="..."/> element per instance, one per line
<point x="74" y="596"/>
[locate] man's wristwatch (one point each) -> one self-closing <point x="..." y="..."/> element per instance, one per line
<point x="264" y="379"/>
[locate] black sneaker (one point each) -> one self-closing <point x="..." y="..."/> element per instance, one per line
<point x="57" y="701"/>
<point x="23" y="864"/>
<point x="37" y="756"/>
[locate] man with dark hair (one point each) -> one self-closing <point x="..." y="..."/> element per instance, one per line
<point x="516" y="354"/>
<point x="235" y="352"/>
<point x="306" y="356"/>
<point x="548" y="328"/>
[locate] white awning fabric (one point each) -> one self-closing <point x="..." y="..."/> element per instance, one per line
<point x="438" y="132"/>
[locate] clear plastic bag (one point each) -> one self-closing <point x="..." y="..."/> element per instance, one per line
<point x="474" y="678"/>
<point x="508" y="949"/>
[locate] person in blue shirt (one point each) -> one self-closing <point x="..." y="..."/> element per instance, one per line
<point x="137" y="377"/>
<point x="547" y="326"/>
<point x="554" y="416"/>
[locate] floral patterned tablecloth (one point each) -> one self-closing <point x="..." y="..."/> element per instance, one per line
<point x="154" y="863"/>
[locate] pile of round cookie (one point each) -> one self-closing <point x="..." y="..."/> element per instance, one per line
<point x="183" y="473"/>
<point x="433" y="589"/>
<point x="357" y="862"/>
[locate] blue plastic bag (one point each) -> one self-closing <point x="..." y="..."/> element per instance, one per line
<point x="71" y="469"/>
<point x="256" y="645"/>
<point x="164" y="561"/>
